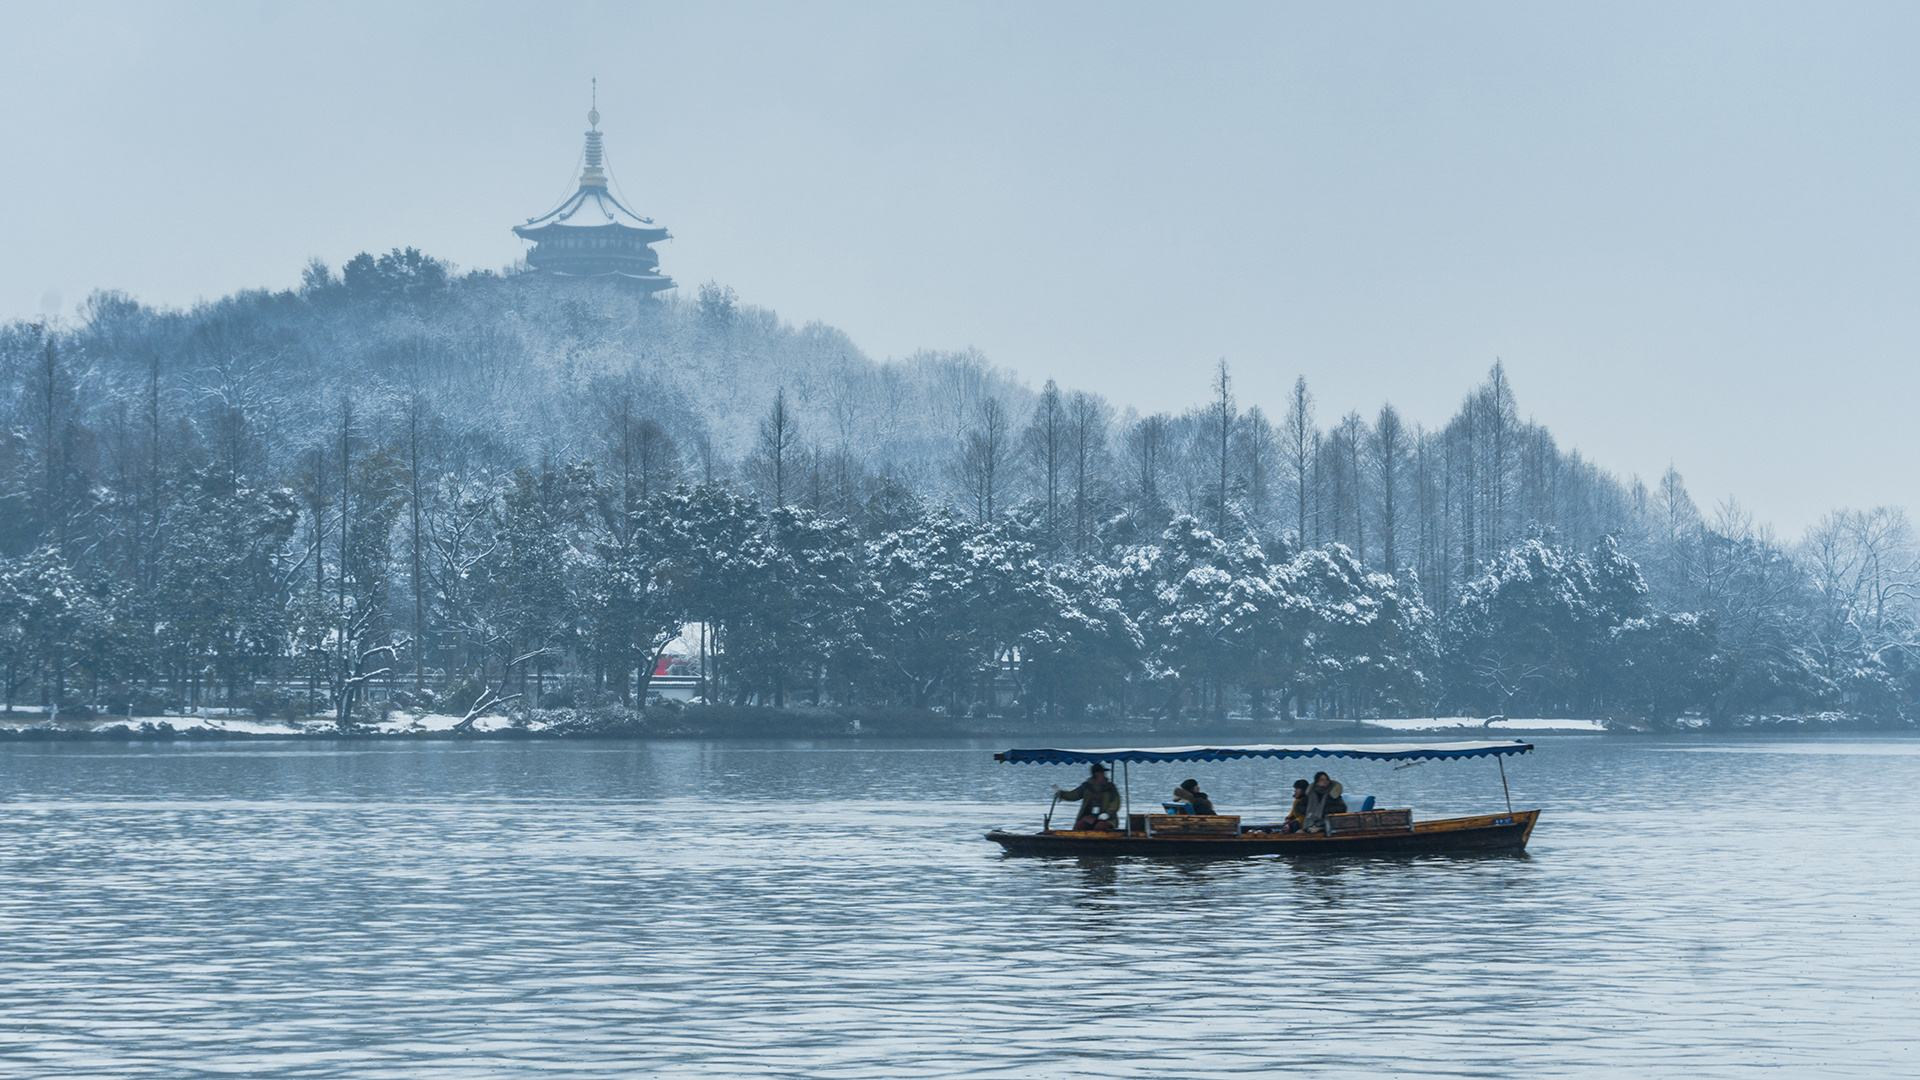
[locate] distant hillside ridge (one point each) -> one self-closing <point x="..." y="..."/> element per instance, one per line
<point x="400" y="453"/>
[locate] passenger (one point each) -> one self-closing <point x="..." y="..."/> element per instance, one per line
<point x="1297" y="815"/>
<point x="1189" y="792"/>
<point x="1323" y="798"/>
<point x="1099" y="800"/>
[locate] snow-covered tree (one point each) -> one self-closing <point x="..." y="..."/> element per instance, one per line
<point x="1526" y="632"/>
<point x="1367" y="643"/>
<point x="218" y="605"/>
<point x="809" y="607"/>
<point x="196" y="502"/>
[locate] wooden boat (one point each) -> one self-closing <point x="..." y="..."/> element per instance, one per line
<point x="1391" y="831"/>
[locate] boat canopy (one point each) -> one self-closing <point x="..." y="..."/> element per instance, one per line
<point x="1359" y="751"/>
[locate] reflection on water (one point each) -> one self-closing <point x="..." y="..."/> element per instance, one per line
<point x="445" y="910"/>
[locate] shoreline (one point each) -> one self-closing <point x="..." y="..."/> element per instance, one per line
<point x="727" y="723"/>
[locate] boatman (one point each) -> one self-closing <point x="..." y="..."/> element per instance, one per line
<point x="1099" y="800"/>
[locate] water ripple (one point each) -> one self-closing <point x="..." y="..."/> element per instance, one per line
<point x="702" y="910"/>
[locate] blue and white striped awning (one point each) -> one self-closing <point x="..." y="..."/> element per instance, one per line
<point x="1357" y="751"/>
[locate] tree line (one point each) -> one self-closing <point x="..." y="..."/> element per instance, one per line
<point x="473" y="488"/>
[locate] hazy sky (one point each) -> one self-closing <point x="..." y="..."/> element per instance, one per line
<point x="1690" y="230"/>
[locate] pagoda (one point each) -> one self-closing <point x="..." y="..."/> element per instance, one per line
<point x="592" y="234"/>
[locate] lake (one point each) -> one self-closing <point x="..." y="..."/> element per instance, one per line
<point x="577" y="909"/>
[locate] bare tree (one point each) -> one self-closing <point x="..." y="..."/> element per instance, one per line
<point x="54" y="396"/>
<point x="982" y="465"/>
<point x="1498" y="421"/>
<point x="850" y="392"/>
<point x="1297" y="437"/>
<point x="1460" y="488"/>
<point x="1222" y="413"/>
<point x="642" y="457"/>
<point x="1676" y="538"/>
<point x="1865" y="569"/>
<point x="1387" y="452"/>
<point x="959" y="385"/>
<point x="1349" y="482"/>
<point x="1430" y="563"/>
<point x="489" y="698"/>
<point x="1258" y="451"/>
<point x="359" y="647"/>
<point x="345" y="431"/>
<point x="775" y="458"/>
<point x="1087" y="420"/>
<point x="1046" y="443"/>
<point x="415" y="423"/>
<point x="458" y="544"/>
<point x="1148" y="443"/>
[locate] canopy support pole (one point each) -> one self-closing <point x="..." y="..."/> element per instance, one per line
<point x="1504" y="790"/>
<point x="1126" y="784"/>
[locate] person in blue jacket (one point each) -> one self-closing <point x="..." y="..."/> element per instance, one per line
<point x="1189" y="792"/>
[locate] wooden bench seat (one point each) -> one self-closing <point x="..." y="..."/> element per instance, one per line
<point x="1193" y="824"/>
<point x="1370" y="821"/>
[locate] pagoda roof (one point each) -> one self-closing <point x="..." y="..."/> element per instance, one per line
<point x="591" y="207"/>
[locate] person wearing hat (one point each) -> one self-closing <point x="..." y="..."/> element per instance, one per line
<point x="1099" y="800"/>
<point x="1297" y="816"/>
<point x="1189" y="792"/>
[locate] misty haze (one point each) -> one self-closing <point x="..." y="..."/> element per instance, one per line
<point x="838" y="540"/>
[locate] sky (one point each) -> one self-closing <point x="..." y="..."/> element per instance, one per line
<point x="1690" y="231"/>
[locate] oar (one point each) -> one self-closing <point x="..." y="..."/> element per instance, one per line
<point x="1046" y="823"/>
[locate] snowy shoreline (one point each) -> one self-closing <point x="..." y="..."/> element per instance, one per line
<point x="805" y="723"/>
<point x="797" y="723"/>
<point x="161" y="727"/>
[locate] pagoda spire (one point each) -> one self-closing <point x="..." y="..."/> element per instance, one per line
<point x="595" y="173"/>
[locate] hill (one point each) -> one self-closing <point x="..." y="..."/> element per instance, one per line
<point x="400" y="482"/>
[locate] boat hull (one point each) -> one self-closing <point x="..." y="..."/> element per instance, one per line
<point x="1489" y="833"/>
